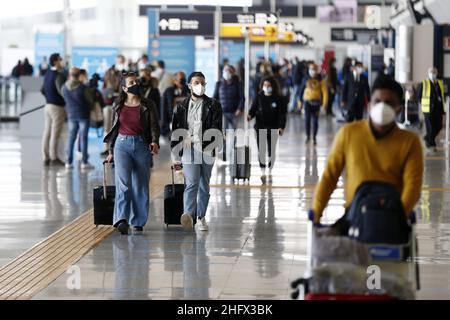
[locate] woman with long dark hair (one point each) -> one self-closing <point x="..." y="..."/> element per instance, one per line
<point x="133" y="140"/>
<point x="270" y="109"/>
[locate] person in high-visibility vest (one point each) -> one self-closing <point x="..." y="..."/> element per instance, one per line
<point x="431" y="96"/>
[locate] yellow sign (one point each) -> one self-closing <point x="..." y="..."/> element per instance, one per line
<point x="231" y="30"/>
<point x="257" y="33"/>
<point x="287" y="36"/>
<point x="264" y="33"/>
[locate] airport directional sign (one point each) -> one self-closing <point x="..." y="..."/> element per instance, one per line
<point x="250" y="18"/>
<point x="185" y="23"/>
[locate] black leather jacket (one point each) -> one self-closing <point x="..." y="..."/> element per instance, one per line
<point x="211" y="117"/>
<point x="149" y="123"/>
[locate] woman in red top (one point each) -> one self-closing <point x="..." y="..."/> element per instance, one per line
<point x="133" y="139"/>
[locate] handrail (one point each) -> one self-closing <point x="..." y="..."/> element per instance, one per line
<point x="32" y="110"/>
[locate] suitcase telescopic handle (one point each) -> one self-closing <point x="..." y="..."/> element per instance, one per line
<point x="105" y="195"/>
<point x="172" y="168"/>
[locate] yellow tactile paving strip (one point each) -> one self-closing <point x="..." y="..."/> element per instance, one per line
<point x="38" y="267"/>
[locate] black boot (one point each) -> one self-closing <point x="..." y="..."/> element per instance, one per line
<point x="123" y="227"/>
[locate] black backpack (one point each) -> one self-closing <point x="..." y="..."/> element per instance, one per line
<point x="376" y="215"/>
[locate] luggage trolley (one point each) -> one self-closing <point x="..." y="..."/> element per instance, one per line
<point x="396" y="262"/>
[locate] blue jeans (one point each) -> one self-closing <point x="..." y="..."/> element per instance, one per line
<point x="294" y="98"/>
<point x="132" y="158"/>
<point x="312" y="111"/>
<point x="196" y="193"/>
<point x="229" y="120"/>
<point x="76" y="126"/>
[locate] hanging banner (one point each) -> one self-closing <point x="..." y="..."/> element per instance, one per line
<point x="45" y="44"/>
<point x="205" y="62"/>
<point x="178" y="53"/>
<point x="232" y="50"/>
<point x="94" y="59"/>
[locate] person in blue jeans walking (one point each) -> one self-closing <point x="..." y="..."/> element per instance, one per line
<point x="79" y="101"/>
<point x="196" y="133"/>
<point x="133" y="140"/>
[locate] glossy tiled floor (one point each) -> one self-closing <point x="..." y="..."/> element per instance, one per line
<point x="257" y="240"/>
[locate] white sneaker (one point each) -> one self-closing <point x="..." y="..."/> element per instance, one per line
<point x="202" y="225"/>
<point x="69" y="166"/>
<point x="87" y="166"/>
<point x="187" y="222"/>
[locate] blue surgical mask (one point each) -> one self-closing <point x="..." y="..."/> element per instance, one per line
<point x="267" y="90"/>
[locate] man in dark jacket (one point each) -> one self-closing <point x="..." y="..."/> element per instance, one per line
<point x="298" y="73"/>
<point x="54" y="111"/>
<point x="197" y="120"/>
<point x="229" y="92"/>
<point x="80" y="99"/>
<point x="355" y="93"/>
<point x="171" y="97"/>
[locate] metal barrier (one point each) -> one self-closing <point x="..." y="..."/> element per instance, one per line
<point x="10" y="98"/>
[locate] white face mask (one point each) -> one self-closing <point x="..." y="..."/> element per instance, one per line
<point x="198" y="90"/>
<point x="227" y="75"/>
<point x="382" y="114"/>
<point x="157" y="73"/>
<point x="432" y="76"/>
<point x="120" y="67"/>
<point x="312" y="73"/>
<point x="142" y="65"/>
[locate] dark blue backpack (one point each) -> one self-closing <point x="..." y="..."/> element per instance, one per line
<point x="376" y="215"/>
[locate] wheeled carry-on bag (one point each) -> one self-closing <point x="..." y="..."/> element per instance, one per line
<point x="241" y="166"/>
<point x="104" y="198"/>
<point x="173" y="202"/>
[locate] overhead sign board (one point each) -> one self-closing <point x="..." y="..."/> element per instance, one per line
<point x="180" y="23"/>
<point x="251" y="18"/>
<point x="262" y="26"/>
<point x="362" y="35"/>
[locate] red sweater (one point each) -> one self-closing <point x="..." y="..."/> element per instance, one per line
<point x="130" y="121"/>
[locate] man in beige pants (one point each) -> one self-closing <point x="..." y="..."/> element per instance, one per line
<point x="54" y="111"/>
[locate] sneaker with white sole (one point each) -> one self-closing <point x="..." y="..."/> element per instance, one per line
<point x="187" y="222"/>
<point x="202" y="225"/>
<point x="69" y="166"/>
<point x="87" y="166"/>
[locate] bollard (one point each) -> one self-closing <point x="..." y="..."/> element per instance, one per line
<point x="406" y="122"/>
<point x="447" y="122"/>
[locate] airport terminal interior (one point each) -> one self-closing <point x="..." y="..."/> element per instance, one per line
<point x="259" y="229"/>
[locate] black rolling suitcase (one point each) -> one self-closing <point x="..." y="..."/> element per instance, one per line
<point x="104" y="197"/>
<point x="173" y="202"/>
<point x="241" y="166"/>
